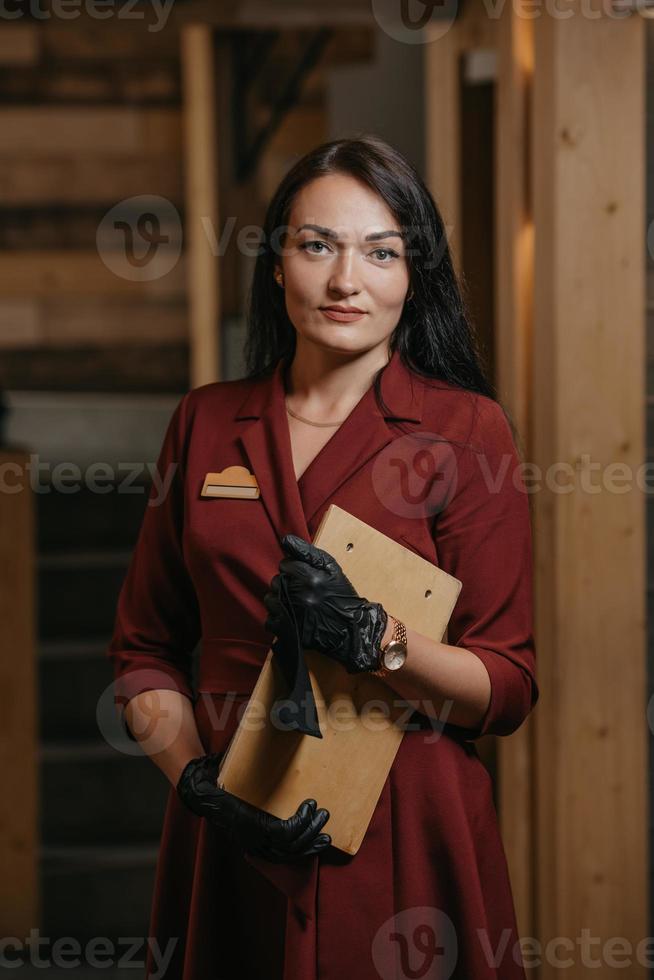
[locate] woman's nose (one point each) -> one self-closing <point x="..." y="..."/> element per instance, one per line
<point x="343" y="278"/>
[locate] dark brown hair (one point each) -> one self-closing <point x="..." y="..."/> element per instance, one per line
<point x="434" y="335"/>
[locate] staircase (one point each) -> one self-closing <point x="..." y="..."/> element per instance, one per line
<point x="101" y="810"/>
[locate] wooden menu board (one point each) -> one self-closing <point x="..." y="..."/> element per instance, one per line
<point x="345" y="770"/>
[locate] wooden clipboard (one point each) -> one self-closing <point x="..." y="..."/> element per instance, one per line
<point x="361" y="717"/>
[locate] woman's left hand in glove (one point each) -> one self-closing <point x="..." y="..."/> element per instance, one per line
<point x="330" y="614"/>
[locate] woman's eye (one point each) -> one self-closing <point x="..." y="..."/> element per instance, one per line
<point x="386" y="251"/>
<point x="317" y="248"/>
<point x="307" y="245"/>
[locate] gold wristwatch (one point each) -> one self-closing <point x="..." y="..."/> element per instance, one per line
<point x="393" y="654"/>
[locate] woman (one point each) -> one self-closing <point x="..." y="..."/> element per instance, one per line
<point x="365" y="389"/>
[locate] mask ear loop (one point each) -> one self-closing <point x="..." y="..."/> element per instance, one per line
<point x="301" y="714"/>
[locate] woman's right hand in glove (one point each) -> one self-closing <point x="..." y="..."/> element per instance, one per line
<point x="253" y="829"/>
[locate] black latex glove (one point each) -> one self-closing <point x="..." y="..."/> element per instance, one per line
<point x="254" y="830"/>
<point x="331" y="616"/>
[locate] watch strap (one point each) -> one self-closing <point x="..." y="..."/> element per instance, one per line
<point x="399" y="633"/>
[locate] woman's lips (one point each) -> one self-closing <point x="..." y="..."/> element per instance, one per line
<point x="342" y="317"/>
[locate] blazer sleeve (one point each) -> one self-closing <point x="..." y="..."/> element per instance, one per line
<point x="483" y="538"/>
<point x="157" y="621"/>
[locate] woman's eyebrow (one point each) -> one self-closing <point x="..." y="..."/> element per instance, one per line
<point x="374" y="237"/>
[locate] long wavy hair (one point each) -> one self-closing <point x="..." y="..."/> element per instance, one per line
<point x="434" y="335"/>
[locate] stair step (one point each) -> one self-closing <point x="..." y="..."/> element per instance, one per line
<point x="90" y="857"/>
<point x="85" y="520"/>
<point x="95" y="796"/>
<point x="136" y="369"/>
<point x="75" y="751"/>
<point x="90" y="892"/>
<point x="73" y="675"/>
<point x="75" y="649"/>
<point x="90" y="559"/>
<point x="77" y="593"/>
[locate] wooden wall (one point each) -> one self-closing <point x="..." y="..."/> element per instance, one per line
<point x="94" y="114"/>
<point x="85" y="126"/>
<point x="588" y="415"/>
<point x="570" y="367"/>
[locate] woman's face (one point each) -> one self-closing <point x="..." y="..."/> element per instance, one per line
<point x="327" y="261"/>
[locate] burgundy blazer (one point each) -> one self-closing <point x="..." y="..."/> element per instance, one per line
<point x="437" y="470"/>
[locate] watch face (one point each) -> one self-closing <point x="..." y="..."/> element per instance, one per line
<point x="395" y="655"/>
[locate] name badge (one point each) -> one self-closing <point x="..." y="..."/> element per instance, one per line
<point x="233" y="481"/>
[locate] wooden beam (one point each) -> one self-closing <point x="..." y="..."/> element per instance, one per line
<point x="109" y="131"/>
<point x="128" y="367"/>
<point x="442" y="66"/>
<point x="152" y="30"/>
<point x="513" y="327"/>
<point x="94" y="321"/>
<point x="200" y="156"/>
<point x="33" y="179"/>
<point x="102" y="81"/>
<point x="19" y="840"/>
<point x="443" y="134"/>
<point x="75" y="273"/>
<point x="19" y="45"/>
<point x="588" y="402"/>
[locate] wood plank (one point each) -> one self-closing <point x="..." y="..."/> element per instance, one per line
<point x="147" y="34"/>
<point x="33" y="179"/>
<point x="287" y="13"/>
<point x="442" y="66"/>
<point x="19" y="841"/>
<point x="513" y="328"/>
<point x="129" y="38"/>
<point x="76" y="274"/>
<point x="592" y="831"/>
<point x="443" y="132"/>
<point x="112" y="82"/>
<point x="20" y="323"/>
<point x="52" y="226"/>
<point x="68" y="322"/>
<point x="108" y="131"/>
<point x="19" y="45"/>
<point x="132" y="367"/>
<point x="201" y="200"/>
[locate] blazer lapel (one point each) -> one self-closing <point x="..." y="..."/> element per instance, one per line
<point x="267" y="445"/>
<point x="291" y="504"/>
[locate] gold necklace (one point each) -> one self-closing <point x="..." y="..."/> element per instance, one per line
<point x="308" y="421"/>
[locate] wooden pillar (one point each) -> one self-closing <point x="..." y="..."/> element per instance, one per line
<point x="442" y="68"/>
<point x="19" y="840"/>
<point x="201" y="201"/>
<point x="443" y="135"/>
<point x="588" y="405"/>
<point x="513" y="327"/>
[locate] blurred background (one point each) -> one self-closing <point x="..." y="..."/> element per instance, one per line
<point x="139" y="145"/>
